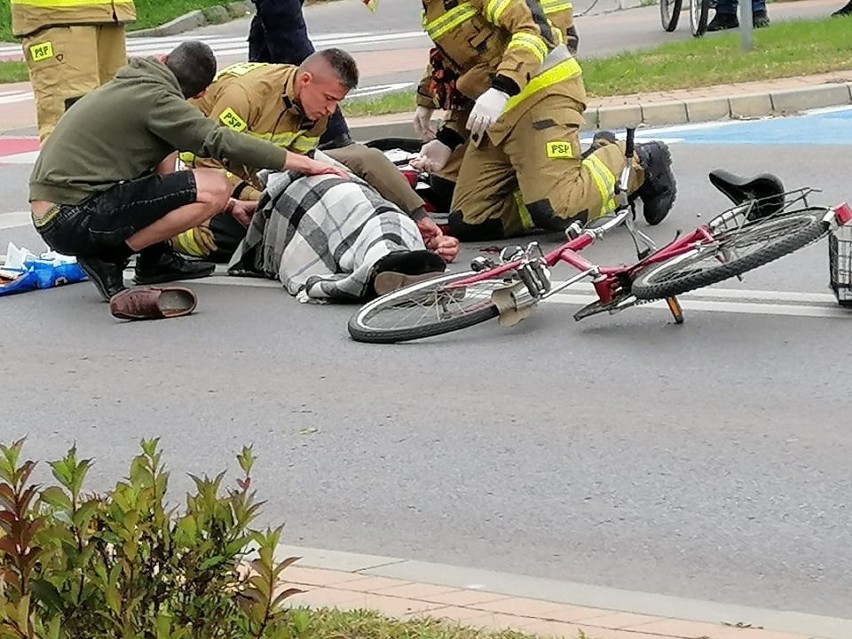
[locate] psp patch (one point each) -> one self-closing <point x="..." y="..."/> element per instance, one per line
<point x="559" y="150"/>
<point x="41" y="51"/>
<point x="230" y="119"/>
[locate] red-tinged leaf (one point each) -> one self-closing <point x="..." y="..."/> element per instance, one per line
<point x="284" y="565"/>
<point x="26" y="498"/>
<point x="284" y="595"/>
<point x="29" y="531"/>
<point x="25" y="471"/>
<point x="8" y="546"/>
<point x="7" y="520"/>
<point x="7" y="495"/>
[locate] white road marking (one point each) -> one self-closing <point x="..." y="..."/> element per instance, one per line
<point x="15" y="219"/>
<point x="717" y="300"/>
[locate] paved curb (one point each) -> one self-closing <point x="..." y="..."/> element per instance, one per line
<point x="687" y="111"/>
<point x="563" y="592"/>
<point x="195" y="19"/>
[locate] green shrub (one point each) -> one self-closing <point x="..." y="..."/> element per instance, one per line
<point x="124" y="564"/>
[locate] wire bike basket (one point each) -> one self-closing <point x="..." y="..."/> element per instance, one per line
<point x="840" y="264"/>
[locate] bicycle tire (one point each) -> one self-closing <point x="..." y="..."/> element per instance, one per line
<point x="361" y="330"/>
<point x="699" y="11"/>
<point x="678" y="274"/>
<point x="670" y="13"/>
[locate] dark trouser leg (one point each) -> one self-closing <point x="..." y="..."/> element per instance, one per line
<point x="258" y="51"/>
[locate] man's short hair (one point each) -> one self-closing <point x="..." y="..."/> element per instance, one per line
<point x="341" y="63"/>
<point x="194" y="66"/>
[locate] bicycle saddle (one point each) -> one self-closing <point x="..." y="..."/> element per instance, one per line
<point x="765" y="189"/>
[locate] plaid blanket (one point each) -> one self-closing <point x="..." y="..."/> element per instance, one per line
<point x="321" y="235"/>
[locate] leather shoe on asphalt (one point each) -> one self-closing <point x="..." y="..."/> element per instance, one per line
<point x="150" y="302"/>
<point x="107" y="276"/>
<point x="403" y="268"/>
<point x="168" y="266"/>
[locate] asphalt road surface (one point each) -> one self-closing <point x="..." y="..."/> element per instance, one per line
<point x="708" y="460"/>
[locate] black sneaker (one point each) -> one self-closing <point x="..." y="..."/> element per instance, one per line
<point x="659" y="189"/>
<point x="846" y="10"/>
<point x="108" y="277"/>
<point x="760" y="19"/>
<point x="722" y="21"/>
<point x="168" y="266"/>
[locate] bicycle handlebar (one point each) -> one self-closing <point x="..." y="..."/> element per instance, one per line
<point x="628" y="151"/>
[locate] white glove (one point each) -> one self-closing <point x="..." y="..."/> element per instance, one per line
<point x="423" y="123"/>
<point x="433" y="157"/>
<point x="487" y="109"/>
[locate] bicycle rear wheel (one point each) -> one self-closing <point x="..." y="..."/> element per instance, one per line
<point x="737" y="251"/>
<point x="669" y="13"/>
<point x="699" y="10"/>
<point x="425" y="309"/>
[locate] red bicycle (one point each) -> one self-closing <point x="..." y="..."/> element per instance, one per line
<point x="765" y="224"/>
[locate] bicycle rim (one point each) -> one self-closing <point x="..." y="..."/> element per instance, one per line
<point x="670" y="13"/>
<point x="699" y="11"/>
<point x="736" y="252"/>
<point x="426" y="309"/>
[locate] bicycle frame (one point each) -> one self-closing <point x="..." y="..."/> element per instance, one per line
<point x="612" y="283"/>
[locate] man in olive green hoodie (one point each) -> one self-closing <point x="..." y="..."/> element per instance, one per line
<point x="104" y="188"/>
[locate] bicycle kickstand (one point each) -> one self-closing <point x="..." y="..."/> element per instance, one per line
<point x="676" y="310"/>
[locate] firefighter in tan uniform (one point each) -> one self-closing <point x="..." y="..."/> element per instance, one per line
<point x="437" y="90"/>
<point x="523" y="166"/>
<point x="71" y="47"/>
<point x="264" y="101"/>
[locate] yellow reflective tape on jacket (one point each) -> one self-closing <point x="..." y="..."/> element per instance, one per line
<point x="604" y="180"/>
<point x="533" y="43"/>
<point x="555" y="6"/>
<point x="523" y="211"/>
<point x="450" y="20"/>
<point x="494" y="9"/>
<point x="561" y="72"/>
<point x="240" y="68"/>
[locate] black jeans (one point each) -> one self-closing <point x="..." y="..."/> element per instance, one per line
<point x="106" y="220"/>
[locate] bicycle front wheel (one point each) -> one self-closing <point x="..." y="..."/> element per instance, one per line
<point x="699" y="10"/>
<point x="737" y="251"/>
<point x="425" y="309"/>
<point x="669" y="13"/>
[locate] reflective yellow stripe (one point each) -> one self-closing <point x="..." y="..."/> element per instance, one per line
<point x="188" y="245"/>
<point x="450" y="20"/>
<point x="240" y="68"/>
<point x="294" y="140"/>
<point x="494" y="9"/>
<point x="555" y="6"/>
<point x="562" y="71"/>
<point x="604" y="180"/>
<point x="523" y="211"/>
<point x="530" y="42"/>
<point x="63" y="4"/>
<point x="187" y="157"/>
<point x="303" y="145"/>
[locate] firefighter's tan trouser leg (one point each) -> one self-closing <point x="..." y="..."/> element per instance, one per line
<point x="373" y="167"/>
<point x="66" y="63"/>
<point x="536" y="178"/>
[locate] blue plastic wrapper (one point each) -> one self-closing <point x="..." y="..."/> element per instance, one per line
<point x="39" y="273"/>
